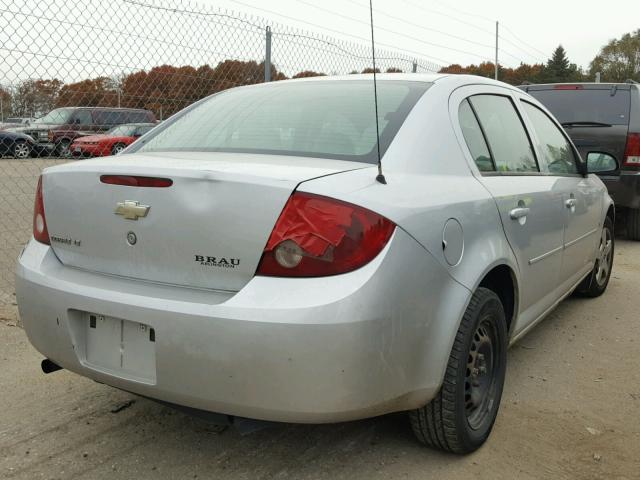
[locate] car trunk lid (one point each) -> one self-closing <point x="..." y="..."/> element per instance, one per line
<point x="207" y="230"/>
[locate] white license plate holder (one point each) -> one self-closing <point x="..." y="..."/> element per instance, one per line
<point x="120" y="347"/>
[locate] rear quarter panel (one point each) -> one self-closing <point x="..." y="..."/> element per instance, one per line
<point x="429" y="181"/>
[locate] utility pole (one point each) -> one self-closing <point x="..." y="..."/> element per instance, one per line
<point x="496" y="76"/>
<point x="597" y="77"/>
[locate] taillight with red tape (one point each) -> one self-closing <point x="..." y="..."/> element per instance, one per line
<point x="318" y="236"/>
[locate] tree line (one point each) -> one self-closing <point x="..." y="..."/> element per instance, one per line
<point x="167" y="89"/>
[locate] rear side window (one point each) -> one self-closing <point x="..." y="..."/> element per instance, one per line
<point x="474" y="138"/>
<point x="556" y="151"/>
<point x="82" y="117"/>
<point x="608" y="105"/>
<point x="505" y="133"/>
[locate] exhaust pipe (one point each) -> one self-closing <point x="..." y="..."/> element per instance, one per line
<point x="49" y="367"/>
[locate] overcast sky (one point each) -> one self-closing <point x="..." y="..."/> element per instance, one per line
<point x="531" y="29"/>
<point x="58" y="39"/>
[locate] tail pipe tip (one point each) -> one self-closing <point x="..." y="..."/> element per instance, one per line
<point x="49" y="367"/>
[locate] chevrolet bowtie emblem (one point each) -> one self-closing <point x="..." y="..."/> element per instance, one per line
<point x="131" y="210"/>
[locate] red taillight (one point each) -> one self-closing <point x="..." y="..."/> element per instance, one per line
<point x="134" y="181"/>
<point x="317" y="236"/>
<point x="40" y="231"/>
<point x="632" y="151"/>
<point x="568" y="87"/>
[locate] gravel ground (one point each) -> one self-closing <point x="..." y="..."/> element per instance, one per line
<point x="569" y="411"/>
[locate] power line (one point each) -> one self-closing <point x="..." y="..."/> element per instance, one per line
<point x="393" y="31"/>
<point x="422" y="27"/>
<point x="488" y="32"/>
<point x="340" y="32"/>
<point x="523" y="42"/>
<point x="506" y="52"/>
<point x="464" y="22"/>
<point x="463" y="12"/>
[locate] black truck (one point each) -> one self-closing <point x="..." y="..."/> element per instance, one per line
<point x="603" y="117"/>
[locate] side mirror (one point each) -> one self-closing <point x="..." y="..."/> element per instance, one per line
<point x="601" y="162"/>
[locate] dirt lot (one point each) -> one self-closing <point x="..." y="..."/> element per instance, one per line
<point x="569" y="411"/>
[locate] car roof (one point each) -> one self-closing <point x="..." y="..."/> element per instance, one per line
<point x="589" y="85"/>
<point x="451" y="80"/>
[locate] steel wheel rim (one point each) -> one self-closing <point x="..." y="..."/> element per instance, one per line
<point x="604" y="257"/>
<point x="117" y="149"/>
<point x="21" y="150"/>
<point x="65" y="149"/>
<point x="480" y="384"/>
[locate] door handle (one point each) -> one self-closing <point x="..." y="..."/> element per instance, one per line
<point x="570" y="203"/>
<point x="518" y="213"/>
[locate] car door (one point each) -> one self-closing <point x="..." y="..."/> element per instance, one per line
<point x="529" y="204"/>
<point x="581" y="195"/>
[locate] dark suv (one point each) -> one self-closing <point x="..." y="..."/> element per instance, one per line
<point x="604" y="118"/>
<point x="55" y="132"/>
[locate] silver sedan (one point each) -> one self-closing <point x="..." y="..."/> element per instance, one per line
<point x="242" y="258"/>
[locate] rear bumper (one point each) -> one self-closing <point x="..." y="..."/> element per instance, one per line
<point x="296" y="350"/>
<point x="624" y="189"/>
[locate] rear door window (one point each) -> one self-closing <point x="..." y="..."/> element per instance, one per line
<point x="554" y="147"/>
<point x="603" y="105"/>
<point x="82" y="117"/>
<point x="505" y="133"/>
<point x="475" y="138"/>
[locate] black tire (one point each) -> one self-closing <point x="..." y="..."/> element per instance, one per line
<point x="633" y="224"/>
<point x="63" y="149"/>
<point x="450" y="422"/>
<point x="597" y="281"/>
<point x="117" y="148"/>
<point x="21" y="150"/>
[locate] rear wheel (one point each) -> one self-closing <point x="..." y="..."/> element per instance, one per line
<point x="117" y="148"/>
<point x="596" y="283"/>
<point x="633" y="224"/>
<point x="21" y="150"/>
<point x="460" y="418"/>
<point x="64" y="149"/>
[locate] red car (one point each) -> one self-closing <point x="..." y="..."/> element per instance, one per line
<point x="110" y="143"/>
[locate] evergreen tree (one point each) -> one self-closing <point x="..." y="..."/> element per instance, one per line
<point x="559" y="69"/>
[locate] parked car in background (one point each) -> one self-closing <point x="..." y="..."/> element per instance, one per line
<point x="110" y="143"/>
<point x="243" y="259"/>
<point x="56" y="131"/>
<point x="603" y="117"/>
<point x="13" y="122"/>
<point x="17" y="145"/>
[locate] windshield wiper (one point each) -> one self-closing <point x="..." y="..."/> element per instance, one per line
<point x="585" y="124"/>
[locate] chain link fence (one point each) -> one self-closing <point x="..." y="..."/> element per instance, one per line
<point x="131" y="61"/>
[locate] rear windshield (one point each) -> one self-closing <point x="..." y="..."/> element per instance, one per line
<point x="328" y="119"/>
<point x="587" y="105"/>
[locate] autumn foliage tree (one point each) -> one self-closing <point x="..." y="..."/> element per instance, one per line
<point x="35" y="97"/>
<point x="97" y="92"/>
